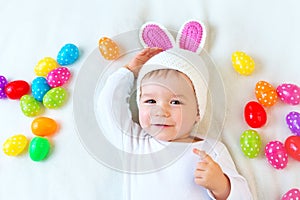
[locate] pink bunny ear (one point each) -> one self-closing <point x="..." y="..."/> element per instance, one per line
<point x="191" y="36"/>
<point x="155" y="35"/>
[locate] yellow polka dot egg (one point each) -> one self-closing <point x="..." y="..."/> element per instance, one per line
<point x="15" y="145"/>
<point x="108" y="48"/>
<point x="44" y="66"/>
<point x="242" y="63"/>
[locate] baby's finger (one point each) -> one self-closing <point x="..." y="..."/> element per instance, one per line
<point x="200" y="153"/>
<point x="201" y="166"/>
<point x="154" y="51"/>
<point x="203" y="155"/>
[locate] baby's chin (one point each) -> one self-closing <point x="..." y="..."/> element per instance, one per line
<point x="163" y="137"/>
<point x="162" y="133"/>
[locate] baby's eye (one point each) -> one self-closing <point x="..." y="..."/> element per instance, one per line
<point x="150" y="101"/>
<point x="175" y="102"/>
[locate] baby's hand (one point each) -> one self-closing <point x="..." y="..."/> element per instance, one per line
<point x="209" y="174"/>
<point x="141" y="58"/>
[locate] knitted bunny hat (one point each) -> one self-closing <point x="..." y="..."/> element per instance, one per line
<point x="181" y="55"/>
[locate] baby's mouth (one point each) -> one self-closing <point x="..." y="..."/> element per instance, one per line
<point x="162" y="125"/>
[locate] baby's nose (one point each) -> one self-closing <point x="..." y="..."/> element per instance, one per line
<point x="162" y="111"/>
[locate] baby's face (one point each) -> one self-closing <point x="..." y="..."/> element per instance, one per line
<point x="168" y="107"/>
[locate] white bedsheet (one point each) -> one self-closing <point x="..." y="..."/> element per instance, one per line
<point x="30" y="30"/>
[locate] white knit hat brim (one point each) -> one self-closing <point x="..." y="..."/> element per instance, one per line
<point x="186" y="62"/>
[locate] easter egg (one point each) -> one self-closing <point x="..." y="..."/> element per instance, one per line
<point x="2" y="93"/>
<point x="255" y="115"/>
<point x="289" y="93"/>
<point x="250" y="143"/>
<point x="58" y="77"/>
<point x="15" y="145"/>
<point x="265" y="93"/>
<point x="292" y="146"/>
<point x="44" y="66"/>
<point x="16" y="89"/>
<point x="68" y="54"/>
<point x="293" y="122"/>
<point x="29" y="106"/>
<point x="43" y="126"/>
<point x="39" y="148"/>
<point x="292" y="194"/>
<point x="3" y="81"/>
<point x="55" y="98"/>
<point x="108" y="48"/>
<point x="39" y="88"/>
<point x="242" y="63"/>
<point x="276" y="154"/>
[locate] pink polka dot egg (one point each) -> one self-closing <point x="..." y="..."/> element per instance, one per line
<point x="292" y="194"/>
<point x="289" y="93"/>
<point x="276" y="154"/>
<point x="58" y="77"/>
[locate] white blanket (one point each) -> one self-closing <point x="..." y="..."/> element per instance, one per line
<point x="267" y="30"/>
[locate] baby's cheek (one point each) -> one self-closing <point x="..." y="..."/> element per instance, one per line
<point x="144" y="118"/>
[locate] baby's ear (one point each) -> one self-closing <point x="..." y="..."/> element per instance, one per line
<point x="155" y="35"/>
<point x="191" y="36"/>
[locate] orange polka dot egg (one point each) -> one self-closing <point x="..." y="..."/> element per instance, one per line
<point x="108" y="48"/>
<point x="265" y="93"/>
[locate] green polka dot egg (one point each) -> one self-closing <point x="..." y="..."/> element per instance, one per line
<point x="30" y="106"/>
<point x="55" y="98"/>
<point x="250" y="143"/>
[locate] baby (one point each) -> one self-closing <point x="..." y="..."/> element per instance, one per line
<point x="171" y="99"/>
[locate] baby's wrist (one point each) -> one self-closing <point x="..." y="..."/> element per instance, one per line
<point x="132" y="69"/>
<point x="223" y="190"/>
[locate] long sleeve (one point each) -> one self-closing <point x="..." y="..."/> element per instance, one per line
<point x="239" y="186"/>
<point x="113" y="107"/>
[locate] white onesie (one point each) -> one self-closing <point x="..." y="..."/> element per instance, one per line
<point x="157" y="169"/>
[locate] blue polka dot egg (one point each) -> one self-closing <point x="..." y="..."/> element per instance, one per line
<point x="39" y="88"/>
<point x="68" y="54"/>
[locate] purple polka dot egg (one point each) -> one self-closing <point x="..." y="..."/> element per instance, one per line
<point x="2" y="93"/>
<point x="293" y="122"/>
<point x="58" y="77"/>
<point x="3" y="82"/>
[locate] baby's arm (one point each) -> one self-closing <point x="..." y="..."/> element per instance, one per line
<point x="210" y="175"/>
<point x="141" y="58"/>
<point x="113" y="102"/>
<point x="113" y="106"/>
